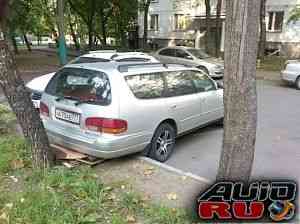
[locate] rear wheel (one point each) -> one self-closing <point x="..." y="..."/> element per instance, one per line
<point x="163" y="143"/>
<point x="297" y="83"/>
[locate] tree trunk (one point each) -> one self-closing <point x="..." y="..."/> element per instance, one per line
<point x="74" y="36"/>
<point x="240" y="98"/>
<point x="14" y="42"/>
<point x="262" y="42"/>
<point x="20" y="102"/>
<point x="218" y="26"/>
<point x="208" y="25"/>
<point x="146" y="11"/>
<point x="62" y="42"/>
<point x="104" y="36"/>
<point x="28" y="45"/>
<point x="91" y="38"/>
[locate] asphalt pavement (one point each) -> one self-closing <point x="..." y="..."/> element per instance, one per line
<point x="278" y="139"/>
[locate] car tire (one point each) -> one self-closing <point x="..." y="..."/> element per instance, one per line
<point x="203" y="69"/>
<point x="297" y="83"/>
<point x="163" y="143"/>
<point x="220" y="122"/>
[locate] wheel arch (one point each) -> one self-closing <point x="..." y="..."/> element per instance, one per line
<point x="171" y="122"/>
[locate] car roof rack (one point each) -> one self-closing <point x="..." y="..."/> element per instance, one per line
<point x="103" y="51"/>
<point x="125" y="68"/>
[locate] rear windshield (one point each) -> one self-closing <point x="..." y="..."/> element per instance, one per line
<point x="81" y="85"/>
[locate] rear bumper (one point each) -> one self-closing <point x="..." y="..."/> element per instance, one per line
<point x="104" y="146"/>
<point x="105" y="149"/>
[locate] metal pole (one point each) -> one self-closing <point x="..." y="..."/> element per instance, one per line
<point x="62" y="50"/>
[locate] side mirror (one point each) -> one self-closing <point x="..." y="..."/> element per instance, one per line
<point x="220" y="84"/>
<point x="189" y="57"/>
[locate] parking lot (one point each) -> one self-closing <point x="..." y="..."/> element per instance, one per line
<point x="278" y="138"/>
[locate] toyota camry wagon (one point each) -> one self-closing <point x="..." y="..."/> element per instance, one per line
<point x="108" y="110"/>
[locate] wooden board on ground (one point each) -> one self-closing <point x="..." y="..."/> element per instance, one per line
<point x="71" y="158"/>
<point x="89" y="162"/>
<point x="62" y="153"/>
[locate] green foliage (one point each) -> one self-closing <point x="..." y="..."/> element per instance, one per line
<point x="273" y="63"/>
<point x="7" y="120"/>
<point x="14" y="152"/>
<point x="295" y="15"/>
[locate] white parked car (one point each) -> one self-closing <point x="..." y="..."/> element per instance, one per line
<point x="37" y="85"/>
<point x="192" y="57"/>
<point x="108" y="110"/>
<point x="291" y="73"/>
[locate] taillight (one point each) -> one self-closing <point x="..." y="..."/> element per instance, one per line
<point x="44" y="109"/>
<point x="105" y="125"/>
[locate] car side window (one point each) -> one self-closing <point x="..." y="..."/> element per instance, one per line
<point x="202" y="82"/>
<point x="146" y="86"/>
<point x="179" y="83"/>
<point x="168" y="52"/>
<point x="182" y="54"/>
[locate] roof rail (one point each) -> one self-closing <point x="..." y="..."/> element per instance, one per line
<point x="103" y="51"/>
<point x="125" y="68"/>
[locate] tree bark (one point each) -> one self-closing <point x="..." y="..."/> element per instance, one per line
<point x="145" y="35"/>
<point x="27" y="42"/>
<point x="19" y="100"/>
<point x="240" y="98"/>
<point x="262" y="42"/>
<point x="218" y="26"/>
<point x="208" y="25"/>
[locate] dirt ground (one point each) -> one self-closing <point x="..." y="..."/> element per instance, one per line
<point x="155" y="183"/>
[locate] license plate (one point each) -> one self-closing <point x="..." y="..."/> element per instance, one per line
<point x="68" y="116"/>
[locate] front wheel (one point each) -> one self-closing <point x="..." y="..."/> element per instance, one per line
<point x="163" y="143"/>
<point x="297" y="83"/>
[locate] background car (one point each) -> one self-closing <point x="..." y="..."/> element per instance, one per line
<point x="192" y="57"/>
<point x="37" y="85"/>
<point x="291" y="73"/>
<point x="108" y="110"/>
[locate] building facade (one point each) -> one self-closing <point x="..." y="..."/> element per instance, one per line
<point x="182" y="22"/>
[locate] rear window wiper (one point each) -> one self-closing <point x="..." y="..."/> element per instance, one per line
<point x="66" y="97"/>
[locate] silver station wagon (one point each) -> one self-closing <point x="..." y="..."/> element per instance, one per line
<point x="108" y="110"/>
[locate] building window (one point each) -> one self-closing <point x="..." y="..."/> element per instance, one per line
<point x="181" y="22"/>
<point x="154" y="22"/>
<point x="275" y="22"/>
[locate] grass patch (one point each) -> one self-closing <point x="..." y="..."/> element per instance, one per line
<point x="7" y="120"/>
<point x="155" y="213"/>
<point x="273" y="63"/>
<point x="14" y="153"/>
<point x="64" y="196"/>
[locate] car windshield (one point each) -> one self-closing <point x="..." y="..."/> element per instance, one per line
<point x="81" y="85"/>
<point x="198" y="53"/>
<point x="80" y="60"/>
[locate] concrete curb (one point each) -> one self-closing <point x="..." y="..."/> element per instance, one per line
<point x="2" y="99"/>
<point x="175" y="170"/>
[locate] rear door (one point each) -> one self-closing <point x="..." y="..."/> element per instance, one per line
<point x="167" y="55"/>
